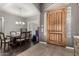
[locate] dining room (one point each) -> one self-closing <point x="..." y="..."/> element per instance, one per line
<point x="17" y="31"/>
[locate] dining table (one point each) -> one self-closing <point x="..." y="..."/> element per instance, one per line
<point x="13" y="39"/>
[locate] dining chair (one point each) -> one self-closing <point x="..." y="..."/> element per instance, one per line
<point x="23" y="30"/>
<point x="18" y="33"/>
<point x="28" y="36"/>
<point x="22" y="38"/>
<point x="12" y="33"/>
<point x="4" y="41"/>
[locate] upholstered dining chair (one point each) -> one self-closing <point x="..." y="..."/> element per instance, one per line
<point x="28" y="36"/>
<point x="22" y="38"/>
<point x="4" y="41"/>
<point x="23" y="30"/>
<point x="12" y="33"/>
<point x="18" y="33"/>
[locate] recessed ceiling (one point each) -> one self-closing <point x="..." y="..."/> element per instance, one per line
<point x="21" y="9"/>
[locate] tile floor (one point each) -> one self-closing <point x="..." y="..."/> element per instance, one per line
<point x="42" y="49"/>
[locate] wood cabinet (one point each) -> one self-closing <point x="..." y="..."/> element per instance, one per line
<point x="56" y="20"/>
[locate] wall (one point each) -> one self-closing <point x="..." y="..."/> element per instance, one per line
<point x="37" y="5"/>
<point x="9" y="22"/>
<point x="78" y="20"/>
<point x="75" y="20"/>
<point x="74" y="23"/>
<point x="33" y="22"/>
<point x="68" y="27"/>
<point x="43" y="7"/>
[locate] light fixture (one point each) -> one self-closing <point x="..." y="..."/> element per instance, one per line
<point x="17" y="22"/>
<point x="20" y="22"/>
<point x="23" y="23"/>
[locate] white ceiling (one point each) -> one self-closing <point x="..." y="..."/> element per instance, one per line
<point x="56" y="6"/>
<point x="21" y="9"/>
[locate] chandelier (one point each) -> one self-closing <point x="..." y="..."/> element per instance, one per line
<point x="20" y="22"/>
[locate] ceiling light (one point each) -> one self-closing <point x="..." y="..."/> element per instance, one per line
<point x="23" y="23"/>
<point x="17" y="22"/>
<point x="20" y="22"/>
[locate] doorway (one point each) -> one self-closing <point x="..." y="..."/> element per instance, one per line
<point x="1" y="24"/>
<point x="56" y="21"/>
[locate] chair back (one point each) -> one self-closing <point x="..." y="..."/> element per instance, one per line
<point x="23" y="35"/>
<point x="23" y="30"/>
<point x="18" y="33"/>
<point x="28" y="35"/>
<point x="12" y="33"/>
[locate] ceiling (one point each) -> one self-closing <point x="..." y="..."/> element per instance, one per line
<point x="21" y="9"/>
<point x="56" y="6"/>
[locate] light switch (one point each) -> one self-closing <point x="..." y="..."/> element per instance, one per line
<point x="41" y="29"/>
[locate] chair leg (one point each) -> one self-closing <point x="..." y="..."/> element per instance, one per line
<point x="4" y="46"/>
<point x="1" y="44"/>
<point x="1" y="47"/>
<point x="20" y="44"/>
<point x="8" y="46"/>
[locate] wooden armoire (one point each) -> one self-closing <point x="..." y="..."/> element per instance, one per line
<point x="56" y="27"/>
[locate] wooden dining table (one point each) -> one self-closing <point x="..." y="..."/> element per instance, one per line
<point x="13" y="39"/>
<point x="16" y="37"/>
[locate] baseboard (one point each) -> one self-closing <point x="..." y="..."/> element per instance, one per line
<point x="66" y="46"/>
<point x="43" y="42"/>
<point x="69" y="47"/>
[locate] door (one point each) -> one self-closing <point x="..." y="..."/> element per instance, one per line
<point x="56" y="20"/>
